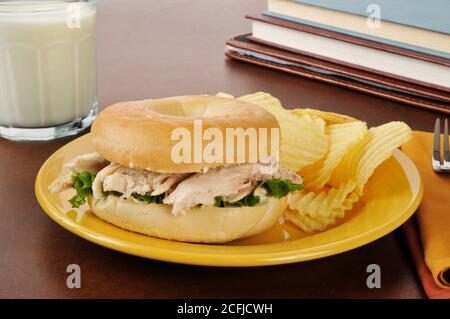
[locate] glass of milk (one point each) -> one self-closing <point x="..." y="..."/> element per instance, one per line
<point x="47" y="68"/>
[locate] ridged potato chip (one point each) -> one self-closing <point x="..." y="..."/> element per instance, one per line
<point x="264" y="100"/>
<point x="303" y="138"/>
<point x="225" y="95"/>
<point x="376" y="147"/>
<point x="317" y="211"/>
<point x="335" y="153"/>
<point x="329" y="117"/>
<point x="342" y="138"/>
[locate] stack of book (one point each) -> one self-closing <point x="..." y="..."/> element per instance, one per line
<point x="399" y="50"/>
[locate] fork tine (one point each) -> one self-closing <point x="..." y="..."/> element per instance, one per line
<point x="437" y="145"/>
<point x="446" y="148"/>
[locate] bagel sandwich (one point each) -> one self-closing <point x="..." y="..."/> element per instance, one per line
<point x="142" y="177"/>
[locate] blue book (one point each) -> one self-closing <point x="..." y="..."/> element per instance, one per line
<point x="426" y="14"/>
<point x="361" y="35"/>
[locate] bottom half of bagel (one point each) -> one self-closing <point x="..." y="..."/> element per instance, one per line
<point x="199" y="225"/>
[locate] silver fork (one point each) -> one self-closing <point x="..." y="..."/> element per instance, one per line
<point x="438" y="166"/>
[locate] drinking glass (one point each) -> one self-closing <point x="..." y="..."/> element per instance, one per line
<point x="48" y="84"/>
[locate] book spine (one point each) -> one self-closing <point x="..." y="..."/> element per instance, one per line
<point x="360" y="35"/>
<point x="429" y="14"/>
<point x="433" y="106"/>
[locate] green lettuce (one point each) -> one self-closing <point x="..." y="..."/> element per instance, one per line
<point x="82" y="182"/>
<point x="249" y="200"/>
<point x="143" y="198"/>
<point x="277" y="188"/>
<point x="149" y="199"/>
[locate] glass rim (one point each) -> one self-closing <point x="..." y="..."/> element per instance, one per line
<point x="36" y="6"/>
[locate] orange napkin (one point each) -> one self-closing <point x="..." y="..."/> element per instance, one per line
<point x="433" y="220"/>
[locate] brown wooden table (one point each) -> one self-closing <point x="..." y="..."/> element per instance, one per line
<point x="162" y="48"/>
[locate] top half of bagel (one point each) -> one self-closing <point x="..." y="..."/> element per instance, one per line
<point x="143" y="134"/>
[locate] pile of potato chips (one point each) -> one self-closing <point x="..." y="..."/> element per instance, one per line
<point x="336" y="155"/>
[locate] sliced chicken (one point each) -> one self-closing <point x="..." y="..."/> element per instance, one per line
<point x="165" y="183"/>
<point x="241" y="192"/>
<point x="183" y="191"/>
<point x="269" y="168"/>
<point x="286" y="174"/>
<point x="129" y="181"/>
<point x="91" y="162"/>
<point x="61" y="184"/>
<point x="97" y="185"/>
<point x="231" y="182"/>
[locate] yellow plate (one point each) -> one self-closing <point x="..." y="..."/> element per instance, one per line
<point x="391" y="197"/>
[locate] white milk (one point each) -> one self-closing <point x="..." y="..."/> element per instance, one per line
<point x="47" y="70"/>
